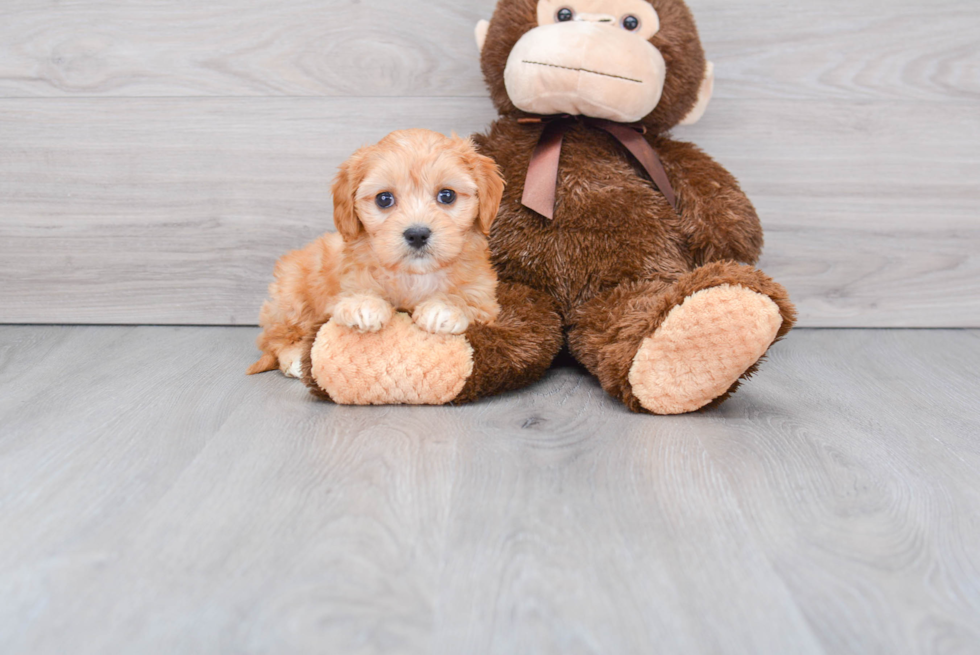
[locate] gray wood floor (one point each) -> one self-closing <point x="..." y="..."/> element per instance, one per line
<point x="155" y="500"/>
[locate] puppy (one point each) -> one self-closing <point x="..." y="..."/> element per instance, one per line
<point x="412" y="214"/>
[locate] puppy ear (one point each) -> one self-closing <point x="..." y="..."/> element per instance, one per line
<point x="489" y="185"/>
<point x="344" y="191"/>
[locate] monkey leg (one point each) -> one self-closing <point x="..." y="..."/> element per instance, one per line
<point x="402" y="364"/>
<point x="676" y="346"/>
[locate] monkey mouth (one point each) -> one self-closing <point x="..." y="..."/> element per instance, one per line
<point x="582" y="70"/>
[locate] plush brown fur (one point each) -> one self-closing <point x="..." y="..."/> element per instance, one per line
<point x="517" y="348"/>
<point x="617" y="257"/>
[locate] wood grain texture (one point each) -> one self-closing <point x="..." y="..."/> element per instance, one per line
<point x="829" y="49"/>
<point x="901" y="50"/>
<point x="230" y="48"/>
<point x="870" y="210"/>
<point x="156" y="500"/>
<point x="173" y="211"/>
<point x="215" y="128"/>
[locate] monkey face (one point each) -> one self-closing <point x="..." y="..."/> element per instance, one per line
<point x="588" y="57"/>
<point x="621" y="60"/>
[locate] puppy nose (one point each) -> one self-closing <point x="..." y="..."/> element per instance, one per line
<point x="417" y="236"/>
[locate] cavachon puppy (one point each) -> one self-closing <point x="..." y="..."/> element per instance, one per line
<point x="412" y="214"/>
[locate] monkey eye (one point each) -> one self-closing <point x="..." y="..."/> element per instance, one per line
<point x="564" y="15"/>
<point x="631" y="23"/>
<point x="385" y="200"/>
<point x="446" y="197"/>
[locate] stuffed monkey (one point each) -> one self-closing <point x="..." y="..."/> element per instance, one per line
<point x="633" y="249"/>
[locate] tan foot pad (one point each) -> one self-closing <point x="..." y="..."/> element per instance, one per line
<point x="400" y="365"/>
<point x="702" y="348"/>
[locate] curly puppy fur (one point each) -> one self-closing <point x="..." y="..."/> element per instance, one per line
<point x="379" y="263"/>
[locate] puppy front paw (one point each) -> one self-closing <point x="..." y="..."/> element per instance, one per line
<point x="291" y="361"/>
<point x="439" y="318"/>
<point x="364" y="313"/>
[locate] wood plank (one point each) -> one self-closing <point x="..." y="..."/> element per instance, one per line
<point x="832" y="49"/>
<point x="172" y="211"/>
<point x="229" y="48"/>
<point x="869" y="208"/>
<point x="830" y="507"/>
<point x="589" y="518"/>
<point x="128" y="500"/>
<point x="843" y="49"/>
<point x="859" y="481"/>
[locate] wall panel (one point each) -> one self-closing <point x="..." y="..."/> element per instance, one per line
<point x="156" y="157"/>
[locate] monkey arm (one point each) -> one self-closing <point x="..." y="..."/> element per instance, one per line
<point x="717" y="218"/>
<point x="517" y="348"/>
<point x="402" y="364"/>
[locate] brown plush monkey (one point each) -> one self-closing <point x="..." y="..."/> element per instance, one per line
<point x="641" y="244"/>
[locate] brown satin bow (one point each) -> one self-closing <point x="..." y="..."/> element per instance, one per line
<point x="542" y="172"/>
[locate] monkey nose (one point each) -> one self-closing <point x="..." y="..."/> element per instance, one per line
<point x="417" y="236"/>
<point x="596" y="18"/>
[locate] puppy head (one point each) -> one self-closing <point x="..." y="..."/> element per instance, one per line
<point x="417" y="196"/>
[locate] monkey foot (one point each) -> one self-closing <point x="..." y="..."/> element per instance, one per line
<point x="398" y="365"/>
<point x="702" y="348"/>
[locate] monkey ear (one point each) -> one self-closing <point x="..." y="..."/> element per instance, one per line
<point x="481" y="33"/>
<point x="489" y="185"/>
<point x="704" y="96"/>
<point x="344" y="207"/>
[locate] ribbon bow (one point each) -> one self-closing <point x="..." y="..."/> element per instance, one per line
<point x="542" y="172"/>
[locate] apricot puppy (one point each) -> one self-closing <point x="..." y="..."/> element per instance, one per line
<point x="412" y="214"/>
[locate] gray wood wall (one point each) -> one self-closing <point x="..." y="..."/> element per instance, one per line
<point x="156" y="157"/>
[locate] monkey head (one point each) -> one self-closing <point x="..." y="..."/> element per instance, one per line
<point x="621" y="60"/>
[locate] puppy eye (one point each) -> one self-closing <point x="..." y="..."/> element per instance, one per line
<point x="446" y="196"/>
<point x="385" y="200"/>
<point x="564" y="15"/>
<point x="631" y="23"/>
